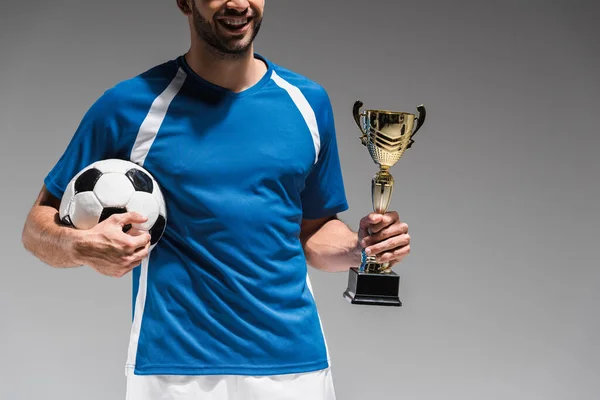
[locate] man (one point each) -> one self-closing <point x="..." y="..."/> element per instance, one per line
<point x="246" y="155"/>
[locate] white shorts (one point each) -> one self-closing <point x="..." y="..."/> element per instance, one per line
<point x="317" y="385"/>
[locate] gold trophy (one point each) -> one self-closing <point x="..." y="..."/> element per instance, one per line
<point x="387" y="135"/>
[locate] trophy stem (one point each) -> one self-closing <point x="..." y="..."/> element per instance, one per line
<point x="382" y="186"/>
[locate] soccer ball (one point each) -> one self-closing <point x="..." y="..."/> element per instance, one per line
<point x="112" y="186"/>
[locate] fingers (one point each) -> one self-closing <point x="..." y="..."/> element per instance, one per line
<point x="388" y="244"/>
<point x="139" y="239"/>
<point x="129" y="218"/>
<point x="122" y="271"/>
<point x="393" y="261"/>
<point x="385" y="233"/>
<point x="393" y="256"/>
<point x="136" y="232"/>
<point x="375" y="222"/>
<point x="384" y="221"/>
<point x="385" y="237"/>
<point x="134" y="243"/>
<point x="114" y="252"/>
<point x="131" y="261"/>
<point x="136" y="258"/>
<point x="368" y="221"/>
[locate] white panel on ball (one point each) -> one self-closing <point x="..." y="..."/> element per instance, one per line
<point x="114" y="190"/>
<point x="145" y="204"/>
<point x="66" y="200"/>
<point x="114" y="165"/>
<point x="85" y="210"/>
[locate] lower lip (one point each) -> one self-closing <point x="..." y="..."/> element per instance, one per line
<point x="235" y="31"/>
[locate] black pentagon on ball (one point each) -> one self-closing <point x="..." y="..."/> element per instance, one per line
<point x="141" y="181"/>
<point x="87" y="180"/>
<point x="157" y="230"/>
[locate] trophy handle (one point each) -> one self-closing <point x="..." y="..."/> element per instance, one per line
<point x="420" y="118"/>
<point x="356" y="113"/>
<point x="419" y="124"/>
<point x="357" y="118"/>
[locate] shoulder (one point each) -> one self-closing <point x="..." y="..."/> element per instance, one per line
<point x="135" y="92"/>
<point x="302" y="82"/>
<point x="316" y="95"/>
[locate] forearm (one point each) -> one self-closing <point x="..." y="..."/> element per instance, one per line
<point x="47" y="239"/>
<point x="333" y="248"/>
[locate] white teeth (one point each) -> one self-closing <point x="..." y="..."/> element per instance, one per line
<point x="235" y="22"/>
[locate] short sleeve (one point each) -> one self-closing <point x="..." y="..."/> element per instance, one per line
<point x="324" y="193"/>
<point x="96" y="138"/>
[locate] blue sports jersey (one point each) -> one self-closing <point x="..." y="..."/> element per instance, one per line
<point x="226" y="290"/>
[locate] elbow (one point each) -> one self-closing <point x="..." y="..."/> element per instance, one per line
<point x="29" y="243"/>
<point x="26" y="237"/>
<point x="308" y="253"/>
<point x="308" y="257"/>
<point x="313" y="260"/>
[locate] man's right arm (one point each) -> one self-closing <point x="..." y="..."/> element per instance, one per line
<point x="44" y="235"/>
<point x="105" y="247"/>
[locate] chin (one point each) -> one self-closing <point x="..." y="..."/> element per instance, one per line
<point x="238" y="46"/>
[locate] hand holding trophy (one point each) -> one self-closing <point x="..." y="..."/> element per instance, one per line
<point x="386" y="135"/>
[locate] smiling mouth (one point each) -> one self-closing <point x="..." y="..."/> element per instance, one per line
<point x="235" y="24"/>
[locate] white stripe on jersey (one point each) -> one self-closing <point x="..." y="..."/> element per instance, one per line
<point x="309" y="284"/>
<point x="155" y="118"/>
<point x="305" y="109"/>
<point x="145" y="137"/>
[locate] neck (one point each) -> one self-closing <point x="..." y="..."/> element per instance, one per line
<point x="234" y="73"/>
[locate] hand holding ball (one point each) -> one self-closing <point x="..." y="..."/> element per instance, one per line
<point x="107" y="199"/>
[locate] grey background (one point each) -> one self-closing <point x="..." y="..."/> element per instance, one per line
<point x="500" y="191"/>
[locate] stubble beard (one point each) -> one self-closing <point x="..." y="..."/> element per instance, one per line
<point x="225" y="48"/>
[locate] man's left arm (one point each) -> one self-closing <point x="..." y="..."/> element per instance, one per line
<point x="331" y="246"/>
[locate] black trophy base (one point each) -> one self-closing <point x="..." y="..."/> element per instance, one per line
<point x="373" y="289"/>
